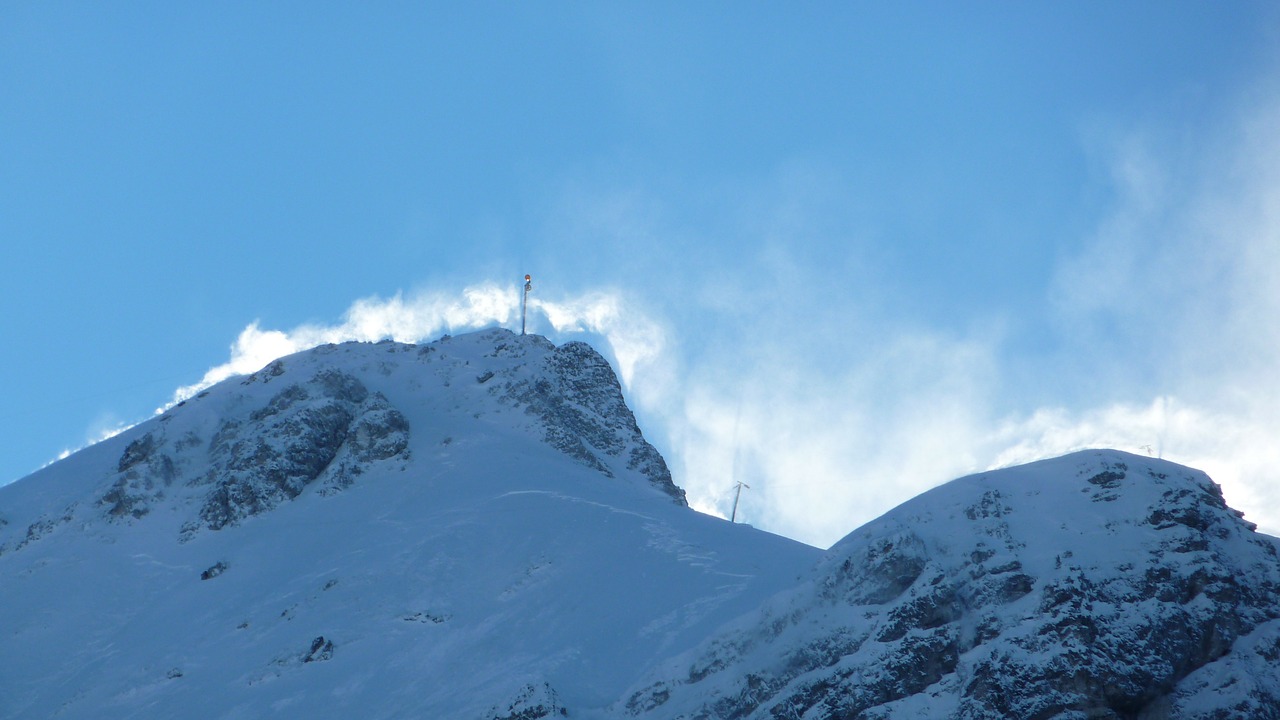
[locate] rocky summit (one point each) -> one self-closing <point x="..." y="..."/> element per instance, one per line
<point x="469" y="528"/>
<point x="476" y="528"/>
<point x="306" y="421"/>
<point x="1096" y="585"/>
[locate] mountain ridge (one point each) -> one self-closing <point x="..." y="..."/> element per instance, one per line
<point x="484" y="513"/>
<point x="477" y="528"/>
<point x="969" y="602"/>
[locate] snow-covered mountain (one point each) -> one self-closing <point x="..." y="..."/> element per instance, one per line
<point x="470" y="528"/>
<point x="477" y="529"/>
<point x="1096" y="585"/>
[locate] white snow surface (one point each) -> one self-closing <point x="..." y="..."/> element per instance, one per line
<point x="477" y="569"/>
<point x="474" y="528"/>
<point x="1078" y="587"/>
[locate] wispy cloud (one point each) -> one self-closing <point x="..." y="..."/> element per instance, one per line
<point x="635" y="342"/>
<point x="105" y="427"/>
<point x="420" y="317"/>
<point x="789" y="369"/>
<point x="1235" y="446"/>
<point x="825" y="446"/>
<point x="834" y="408"/>
<point x="1179" y="283"/>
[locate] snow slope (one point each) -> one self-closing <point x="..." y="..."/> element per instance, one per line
<point x="470" y="528"/>
<point x="477" y="529"/>
<point x="1096" y="585"/>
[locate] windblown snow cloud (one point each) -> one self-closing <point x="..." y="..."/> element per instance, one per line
<point x="371" y="319"/>
<point x="823" y="446"/>
<point x="834" y="409"/>
<point x="802" y="379"/>
<point x="1180" y="282"/>
<point x="634" y="340"/>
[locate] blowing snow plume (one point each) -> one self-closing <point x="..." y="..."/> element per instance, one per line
<point x="634" y="341"/>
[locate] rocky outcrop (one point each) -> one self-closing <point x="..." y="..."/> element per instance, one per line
<point x="324" y="430"/>
<point x="1106" y="586"/>
<point x="1100" y="585"/>
<point x="321" y="650"/>
<point x="578" y="402"/>
<point x="214" y="570"/>
<point x="532" y="702"/>
<point x="43" y="526"/>
<point x="143" y="473"/>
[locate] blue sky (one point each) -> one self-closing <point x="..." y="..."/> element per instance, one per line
<point x="843" y="251"/>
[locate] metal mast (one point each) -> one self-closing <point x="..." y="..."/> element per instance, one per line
<point x="524" y="301"/>
<point x="733" y="515"/>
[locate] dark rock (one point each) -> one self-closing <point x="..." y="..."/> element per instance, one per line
<point x="1108" y="479"/>
<point x="532" y="702"/>
<point x="214" y="571"/>
<point x="331" y="425"/>
<point x="46" y="525"/>
<point x="579" y="404"/>
<point x="321" y="649"/>
<point x="989" y="506"/>
<point x="426" y="618"/>
<point x="881" y="572"/>
<point x="379" y="432"/>
<point x="137" y="451"/>
<point x="124" y="501"/>
<point x="274" y="369"/>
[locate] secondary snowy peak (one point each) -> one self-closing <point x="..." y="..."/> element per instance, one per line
<point x="1100" y="584"/>
<point x="476" y="528"/>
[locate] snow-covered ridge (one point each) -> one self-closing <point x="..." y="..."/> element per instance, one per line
<point x="1100" y="585"/>
<point x="476" y="528"/>
<point x="319" y="419"/>
<point x="469" y="528"/>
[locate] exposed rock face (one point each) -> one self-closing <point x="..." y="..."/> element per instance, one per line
<point x="320" y="651"/>
<point x="311" y="422"/>
<point x="504" y="529"/>
<point x="1106" y="586"/>
<point x="326" y="428"/>
<point x="39" y="528"/>
<point x="143" y="473"/>
<point x="214" y="570"/>
<point x="575" y="395"/>
<point x="1100" y="585"/>
<point x="533" y="702"/>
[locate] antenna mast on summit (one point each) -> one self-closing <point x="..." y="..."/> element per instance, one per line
<point x="733" y="515"/>
<point x="524" y="301"/>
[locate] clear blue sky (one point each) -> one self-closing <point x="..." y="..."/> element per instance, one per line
<point x="873" y="245"/>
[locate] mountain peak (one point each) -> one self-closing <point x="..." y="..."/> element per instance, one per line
<point x="318" y="420"/>
<point x="476" y="528"/>
<point x="1099" y="584"/>
<point x="473" y="527"/>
